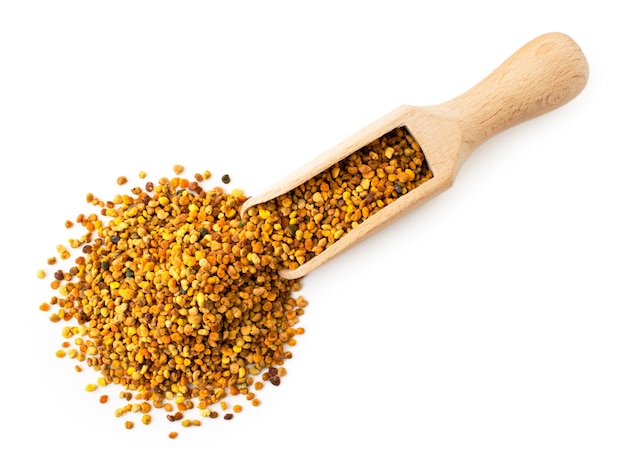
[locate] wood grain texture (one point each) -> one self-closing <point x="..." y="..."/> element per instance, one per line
<point x="544" y="74"/>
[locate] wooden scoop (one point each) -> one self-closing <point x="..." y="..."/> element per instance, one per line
<point x="544" y="74"/>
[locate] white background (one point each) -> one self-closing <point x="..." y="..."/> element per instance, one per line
<point x="489" y="323"/>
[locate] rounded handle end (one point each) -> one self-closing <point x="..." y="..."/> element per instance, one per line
<point x="542" y="75"/>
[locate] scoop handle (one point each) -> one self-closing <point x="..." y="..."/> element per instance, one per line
<point x="542" y="75"/>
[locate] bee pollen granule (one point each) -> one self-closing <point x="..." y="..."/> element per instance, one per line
<point x="172" y="299"/>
